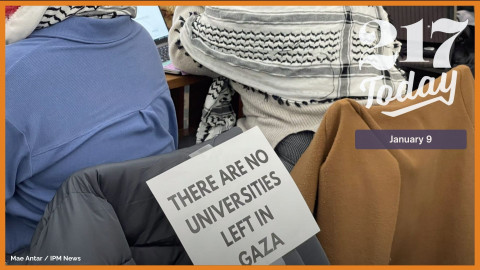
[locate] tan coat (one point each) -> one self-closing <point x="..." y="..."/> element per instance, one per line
<point x="393" y="206"/>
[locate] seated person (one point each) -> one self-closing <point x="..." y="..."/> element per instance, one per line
<point x="84" y="86"/>
<point x="289" y="64"/>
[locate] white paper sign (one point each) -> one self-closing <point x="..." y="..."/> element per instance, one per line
<point x="235" y="204"/>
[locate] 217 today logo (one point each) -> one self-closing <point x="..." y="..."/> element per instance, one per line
<point x="388" y="34"/>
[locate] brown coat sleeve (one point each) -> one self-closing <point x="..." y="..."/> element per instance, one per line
<point x="393" y="206"/>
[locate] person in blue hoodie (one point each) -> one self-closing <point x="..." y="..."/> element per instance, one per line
<point x="84" y="86"/>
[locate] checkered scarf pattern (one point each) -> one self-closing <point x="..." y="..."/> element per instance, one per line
<point x="217" y="114"/>
<point x="328" y="53"/>
<point x="56" y="14"/>
<point x="21" y="21"/>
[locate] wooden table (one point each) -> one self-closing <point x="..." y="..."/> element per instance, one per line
<point x="179" y="81"/>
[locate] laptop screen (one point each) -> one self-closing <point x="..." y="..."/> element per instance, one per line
<point x="151" y="19"/>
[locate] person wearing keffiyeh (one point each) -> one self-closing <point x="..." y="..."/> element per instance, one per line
<point x="84" y="87"/>
<point x="288" y="64"/>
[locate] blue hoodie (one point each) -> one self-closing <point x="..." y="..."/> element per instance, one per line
<point x="80" y="93"/>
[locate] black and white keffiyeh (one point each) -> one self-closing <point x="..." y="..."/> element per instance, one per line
<point x="26" y="19"/>
<point x="287" y="56"/>
<point x="56" y="14"/>
<point x="217" y="114"/>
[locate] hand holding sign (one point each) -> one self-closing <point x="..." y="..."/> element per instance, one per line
<point x="235" y="204"/>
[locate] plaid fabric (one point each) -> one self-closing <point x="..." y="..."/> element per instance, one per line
<point x="295" y="55"/>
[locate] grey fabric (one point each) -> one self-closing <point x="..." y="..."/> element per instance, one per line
<point x="107" y="215"/>
<point x="293" y="258"/>
<point x="290" y="149"/>
<point x="309" y="252"/>
<point x="312" y="252"/>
